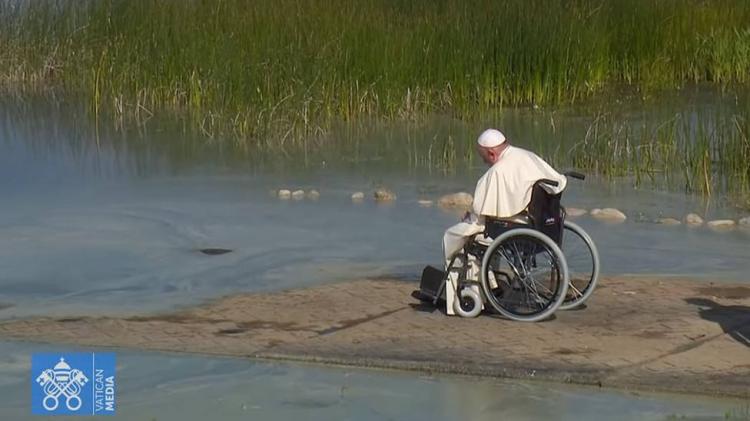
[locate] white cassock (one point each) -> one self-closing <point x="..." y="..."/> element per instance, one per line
<point x="503" y="191"/>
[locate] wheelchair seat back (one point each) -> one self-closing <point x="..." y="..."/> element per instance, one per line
<point x="544" y="214"/>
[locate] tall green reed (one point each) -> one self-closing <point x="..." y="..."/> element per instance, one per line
<point x="276" y="75"/>
<point x="704" y="155"/>
<point x="272" y="73"/>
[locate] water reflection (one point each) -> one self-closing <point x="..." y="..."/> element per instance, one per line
<point x="45" y="135"/>
<point x="169" y="387"/>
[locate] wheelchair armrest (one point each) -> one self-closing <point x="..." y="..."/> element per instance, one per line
<point x="549" y="182"/>
<point x="519" y="219"/>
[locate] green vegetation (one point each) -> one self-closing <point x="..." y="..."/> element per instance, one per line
<point x="704" y="155"/>
<point x="277" y="75"/>
<point x="284" y="67"/>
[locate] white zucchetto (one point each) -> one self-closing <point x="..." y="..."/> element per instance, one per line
<point x="491" y="138"/>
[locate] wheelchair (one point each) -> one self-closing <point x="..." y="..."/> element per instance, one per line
<point x="525" y="273"/>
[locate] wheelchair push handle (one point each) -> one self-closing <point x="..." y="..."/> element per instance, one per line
<point x="575" y="174"/>
<point x="571" y="174"/>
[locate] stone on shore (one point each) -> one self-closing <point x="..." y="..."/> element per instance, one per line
<point x="313" y="195"/>
<point x="693" y="219"/>
<point x="284" y="194"/>
<point x="298" y="194"/>
<point x="460" y="200"/>
<point x="668" y="221"/>
<point x="609" y="214"/>
<point x="358" y="197"/>
<point x="574" y="212"/>
<point x="425" y="203"/>
<point x="721" y="224"/>
<point x="381" y="194"/>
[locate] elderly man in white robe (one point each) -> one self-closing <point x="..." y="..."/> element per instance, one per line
<point x="502" y="192"/>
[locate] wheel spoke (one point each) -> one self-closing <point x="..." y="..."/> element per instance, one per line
<point x="582" y="265"/>
<point x="575" y="290"/>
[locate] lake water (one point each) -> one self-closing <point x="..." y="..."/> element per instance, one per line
<point x="98" y="221"/>
<point x="164" y="387"/>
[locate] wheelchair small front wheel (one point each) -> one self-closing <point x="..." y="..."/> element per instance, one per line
<point x="468" y="303"/>
<point x="530" y="275"/>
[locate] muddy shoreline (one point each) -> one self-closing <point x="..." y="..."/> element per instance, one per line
<point x="636" y="333"/>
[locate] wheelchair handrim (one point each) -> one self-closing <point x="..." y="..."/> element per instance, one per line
<point x="562" y="267"/>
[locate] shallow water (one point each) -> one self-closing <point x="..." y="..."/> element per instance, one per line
<point x="130" y="246"/>
<point x="104" y="226"/>
<point x="105" y="222"/>
<point x="172" y="387"/>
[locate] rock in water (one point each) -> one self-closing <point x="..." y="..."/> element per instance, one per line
<point x="313" y="195"/>
<point x="460" y="200"/>
<point x="382" y="194"/>
<point x="573" y="212"/>
<point x="693" y="219"/>
<point x="358" y="197"/>
<point x="668" y="221"/>
<point x="721" y="224"/>
<point x="608" y="214"/>
<point x="425" y="203"/>
<point x="298" y="194"/>
<point x="284" y="194"/>
<point x="745" y="222"/>
<point x="215" y="251"/>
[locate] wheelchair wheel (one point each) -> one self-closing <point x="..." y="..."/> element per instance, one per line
<point x="468" y="304"/>
<point x="583" y="265"/>
<point x="524" y="275"/>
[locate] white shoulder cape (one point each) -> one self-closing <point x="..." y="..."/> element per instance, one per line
<point x="505" y="189"/>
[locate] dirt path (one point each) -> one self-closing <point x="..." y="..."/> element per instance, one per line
<point x="637" y="333"/>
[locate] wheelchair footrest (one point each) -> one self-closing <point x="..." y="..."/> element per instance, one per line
<point x="431" y="283"/>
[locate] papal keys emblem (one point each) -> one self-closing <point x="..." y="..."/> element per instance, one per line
<point x="62" y="381"/>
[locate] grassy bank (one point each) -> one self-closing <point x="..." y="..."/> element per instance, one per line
<point x="282" y="70"/>
<point x="276" y="75"/>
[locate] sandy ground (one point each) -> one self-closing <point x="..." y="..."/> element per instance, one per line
<point x="635" y="333"/>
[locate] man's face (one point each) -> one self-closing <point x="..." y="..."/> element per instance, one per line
<point x="488" y="155"/>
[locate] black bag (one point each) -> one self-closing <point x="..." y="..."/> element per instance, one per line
<point x="546" y="212"/>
